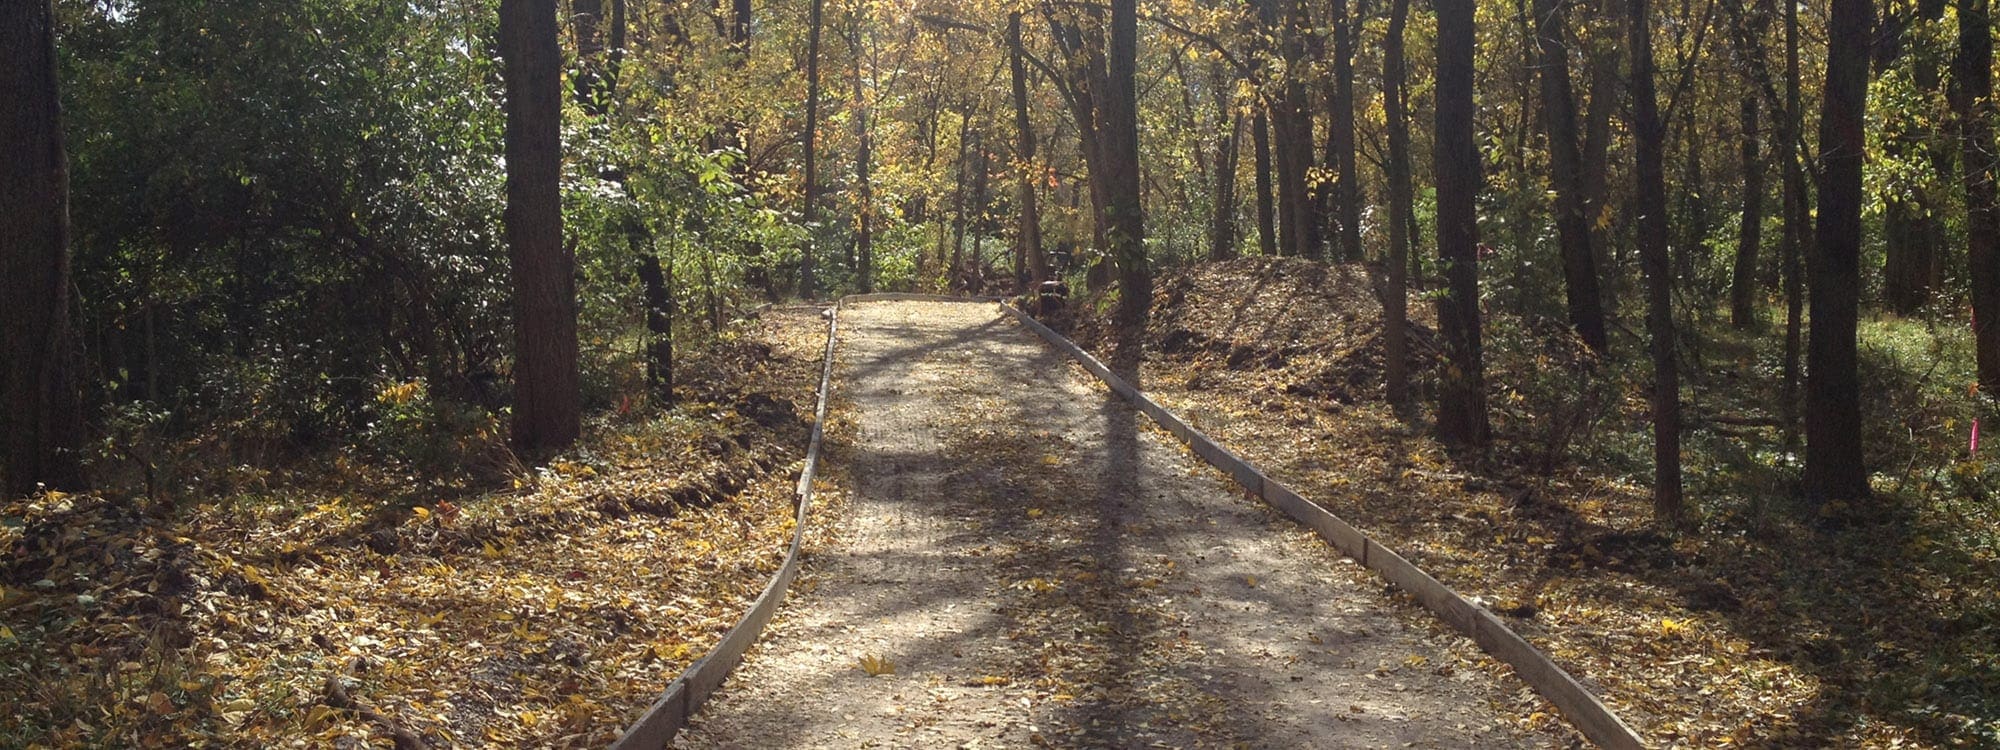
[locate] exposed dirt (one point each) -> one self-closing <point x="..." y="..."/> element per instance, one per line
<point x="1028" y="562"/>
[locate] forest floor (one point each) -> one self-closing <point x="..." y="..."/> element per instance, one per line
<point x="1774" y="625"/>
<point x="1029" y="562"/>
<point x="335" y="601"/>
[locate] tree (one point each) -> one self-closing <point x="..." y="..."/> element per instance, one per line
<point x="808" y="285"/>
<point x="1586" y="302"/>
<point x="864" y="142"/>
<point x="1913" y="224"/>
<point x="1291" y="135"/>
<point x="1347" y="188"/>
<point x="1029" y="235"/>
<point x="1749" y="33"/>
<point x="1222" y="224"/>
<point x="547" y="403"/>
<point x="41" y="413"/>
<point x="1395" y="298"/>
<point x="1834" y="465"/>
<point x="1972" y="105"/>
<point x="1120" y="136"/>
<point x="1649" y="136"/>
<point x="1267" y="223"/>
<point x="1461" y="411"/>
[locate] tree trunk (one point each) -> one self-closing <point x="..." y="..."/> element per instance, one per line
<point x="1291" y="125"/>
<point x="1267" y="227"/>
<point x="547" y="403"/>
<point x="1649" y="143"/>
<point x="864" y="145"/>
<point x="1749" y="233"/>
<point x="1120" y="134"/>
<point x="1911" y="267"/>
<point x="1029" y="235"/>
<point x="1797" y="227"/>
<point x="1347" y="190"/>
<point x="1604" y="82"/>
<point x="808" y="284"/>
<point x="1461" y="410"/>
<point x="41" y="411"/>
<point x="658" y="280"/>
<point x="591" y="93"/>
<point x="1972" y="102"/>
<point x="1395" y="299"/>
<point x="1834" y="466"/>
<point x="1586" y="300"/>
<point x="1222" y="226"/>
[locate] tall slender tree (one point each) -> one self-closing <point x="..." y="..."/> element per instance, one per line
<point x="1972" y="102"/>
<point x="1267" y="222"/>
<point x="1748" y="35"/>
<point x="1029" y="234"/>
<point x="815" y="21"/>
<point x="1649" y="136"/>
<point x="1586" y="300"/>
<point x="1834" y="460"/>
<point x="1222" y="223"/>
<point x="1347" y="187"/>
<point x="864" y="182"/>
<point x="1461" y="413"/>
<point x="1798" y="228"/>
<point x="547" y="403"/>
<point x="1395" y="298"/>
<point x="41" y="413"/>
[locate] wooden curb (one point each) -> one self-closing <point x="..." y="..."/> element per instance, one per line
<point x="670" y="712"/>
<point x="1576" y="702"/>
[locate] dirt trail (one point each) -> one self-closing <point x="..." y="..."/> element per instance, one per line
<point x="1044" y="568"/>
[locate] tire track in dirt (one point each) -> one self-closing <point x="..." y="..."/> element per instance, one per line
<point x="1045" y="568"/>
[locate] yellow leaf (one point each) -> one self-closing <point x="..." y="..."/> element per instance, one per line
<point x="876" y="666"/>
<point x="422" y="512"/>
<point x="1034" y="512"/>
<point x="1251" y="580"/>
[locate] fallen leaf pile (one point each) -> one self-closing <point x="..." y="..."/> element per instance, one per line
<point x="319" y="614"/>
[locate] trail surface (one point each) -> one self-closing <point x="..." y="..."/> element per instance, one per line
<point x="1044" y="568"/>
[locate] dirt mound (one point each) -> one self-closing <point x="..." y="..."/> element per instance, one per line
<point x="1315" y="329"/>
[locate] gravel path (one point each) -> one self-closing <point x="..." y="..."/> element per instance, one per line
<point x="1044" y="568"/>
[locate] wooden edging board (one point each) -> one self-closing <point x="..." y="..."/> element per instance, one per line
<point x="1576" y="702"/>
<point x="670" y="712"/>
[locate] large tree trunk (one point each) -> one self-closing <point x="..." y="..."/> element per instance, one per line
<point x="1267" y="224"/>
<point x="1649" y="136"/>
<point x="1586" y="300"/>
<point x="1461" y="413"/>
<point x="1834" y="466"/>
<point x="808" y="284"/>
<point x="1120" y="134"/>
<point x="1395" y="298"/>
<point x="41" y="413"/>
<point x="1604" y="84"/>
<point x="1029" y="235"/>
<point x="547" y="404"/>
<point x="1347" y="190"/>
<point x="1972" y="101"/>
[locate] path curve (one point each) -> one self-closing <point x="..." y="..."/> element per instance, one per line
<point x="1043" y="568"/>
